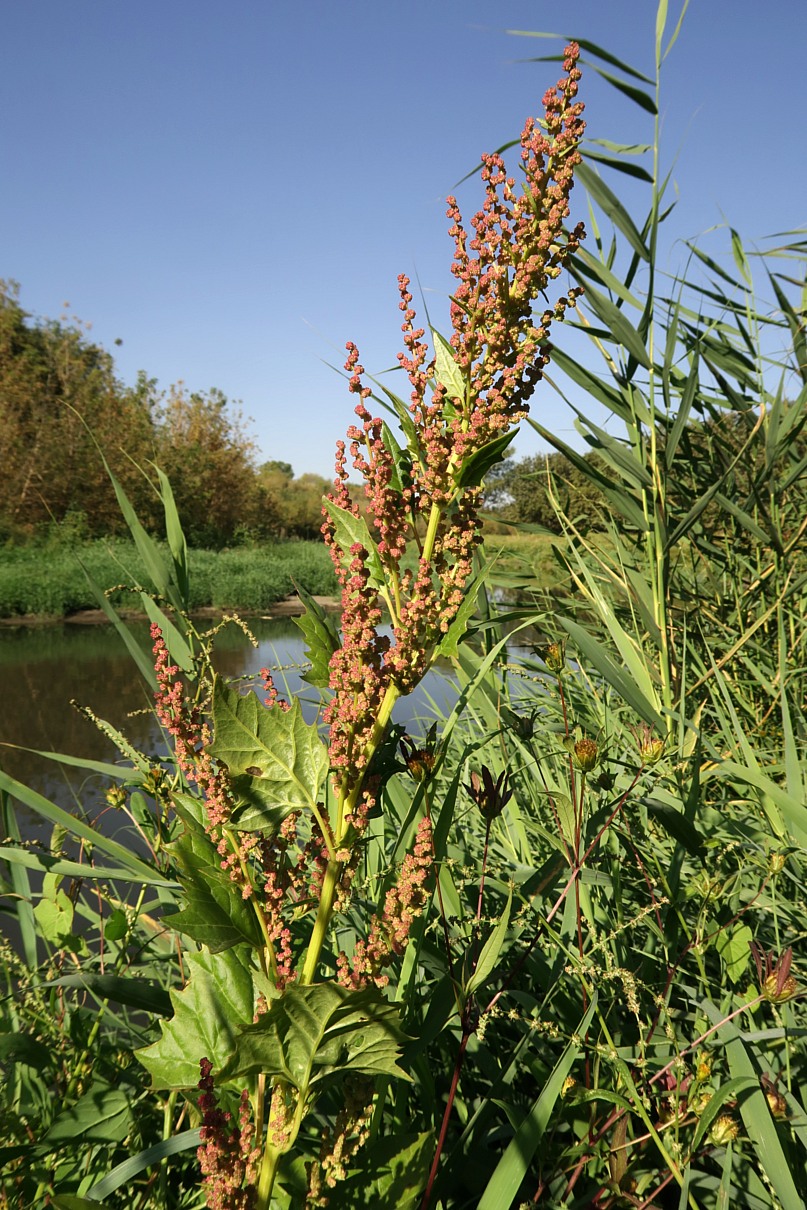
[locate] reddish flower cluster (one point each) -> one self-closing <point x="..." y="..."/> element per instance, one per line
<point x="403" y="904"/>
<point x="272" y="697"/>
<point x="516" y="249"/>
<point x="227" y="1156"/>
<point x="191" y="739"/>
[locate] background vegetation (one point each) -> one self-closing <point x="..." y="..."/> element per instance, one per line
<point x="60" y="402"/>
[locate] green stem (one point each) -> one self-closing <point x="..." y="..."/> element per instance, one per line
<point x="347" y="802"/>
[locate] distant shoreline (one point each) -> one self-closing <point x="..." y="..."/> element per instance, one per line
<point x="289" y="607"/>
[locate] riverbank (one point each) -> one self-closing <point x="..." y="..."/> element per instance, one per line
<point x="43" y="584"/>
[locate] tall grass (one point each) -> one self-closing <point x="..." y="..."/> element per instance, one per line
<point x="51" y="581"/>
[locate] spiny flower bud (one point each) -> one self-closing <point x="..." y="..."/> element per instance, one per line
<point x="651" y="747"/>
<point x="724" y="1130"/>
<point x="419" y="761"/>
<point x="704" y="1067"/>
<point x="586" y="753"/>
<point x="776" y="863"/>
<point x="555" y="657"/>
<point x="116" y="796"/>
<point x="776" y="1100"/>
<point x="490" y="796"/>
<point x="776" y="984"/>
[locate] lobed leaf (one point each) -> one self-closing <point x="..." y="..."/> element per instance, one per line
<point x="277" y="759"/>
<point x="316" y="1033"/>
<point x="216" y="1002"/>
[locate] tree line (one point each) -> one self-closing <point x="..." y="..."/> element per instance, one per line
<point x="62" y="406"/>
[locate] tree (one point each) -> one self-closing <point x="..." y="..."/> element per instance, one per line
<point x="204" y="448"/>
<point x="59" y="402"/>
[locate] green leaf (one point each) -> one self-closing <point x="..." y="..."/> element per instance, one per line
<point x="401" y="459"/>
<point x="756" y="1115"/>
<point x="139" y="656"/>
<point x="390" y="1174"/>
<point x="54" y="917"/>
<point x="75" y="827"/>
<point x="208" y="1014"/>
<point x="101" y="1115"/>
<point x="399" y="409"/>
<point x="676" y="824"/>
<point x="78" y="869"/>
<point x="116" y="926"/>
<point x="584" y="265"/>
<point x="725" y="1092"/>
<point x="638" y="95"/>
<point x="278" y="758"/>
<point x="491" y="950"/>
<point x="733" y="947"/>
<point x="69" y="1201"/>
<point x="503" y="1186"/>
<point x="621" y="329"/>
<point x="476" y="465"/>
<point x="215" y="913"/>
<point x="625" y="686"/>
<point x="124" y="1173"/>
<point x="612" y="161"/>
<point x="740" y="259"/>
<point x="136" y="993"/>
<point x="610" y="204"/>
<point x="590" y="48"/>
<point x="176" y="538"/>
<point x="603" y="392"/>
<point x="322" y="638"/>
<point x="177" y="646"/>
<point x="350" y="530"/>
<point x="22" y="1048"/>
<point x="314" y="1034"/>
<point x="449" y="645"/>
<point x="446" y="369"/>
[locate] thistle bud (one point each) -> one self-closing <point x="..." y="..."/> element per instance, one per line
<point x="724" y="1130"/>
<point x="420" y="762"/>
<point x="776" y="1100"/>
<point x="776" y="984"/>
<point x="651" y="748"/>
<point x="776" y="863"/>
<point x="555" y="657"/>
<point x="586" y="753"/>
<point x="490" y="796"/>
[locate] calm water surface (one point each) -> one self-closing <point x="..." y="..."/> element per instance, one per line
<point x="43" y="669"/>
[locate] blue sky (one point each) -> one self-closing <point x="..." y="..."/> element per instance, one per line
<point x="231" y="188"/>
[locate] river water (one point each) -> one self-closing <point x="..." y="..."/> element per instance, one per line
<point x="43" y="669"/>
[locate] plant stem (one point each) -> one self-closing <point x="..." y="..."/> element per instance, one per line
<point x="346" y="804"/>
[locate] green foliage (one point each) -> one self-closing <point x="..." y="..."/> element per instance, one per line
<point x="53" y="582"/>
<point x="275" y="759"/>
<point x="315" y="1036"/>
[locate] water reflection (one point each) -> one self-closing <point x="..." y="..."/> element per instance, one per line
<point x="43" y="669"/>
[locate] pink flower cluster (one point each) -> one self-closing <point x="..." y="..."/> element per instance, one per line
<point x="404" y="902"/>
<point x="517" y="246"/>
<point x="227" y="1156"/>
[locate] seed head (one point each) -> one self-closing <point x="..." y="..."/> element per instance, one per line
<point x="586" y="754"/>
<point x="555" y="657"/>
<point x="776" y="984"/>
<point x="490" y="796"/>
<point x="724" y="1130"/>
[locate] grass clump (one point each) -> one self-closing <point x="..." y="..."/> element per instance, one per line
<point x="49" y="581"/>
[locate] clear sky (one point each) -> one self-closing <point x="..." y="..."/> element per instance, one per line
<point x="231" y="187"/>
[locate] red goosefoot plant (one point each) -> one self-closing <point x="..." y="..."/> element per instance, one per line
<point x="301" y="1033"/>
